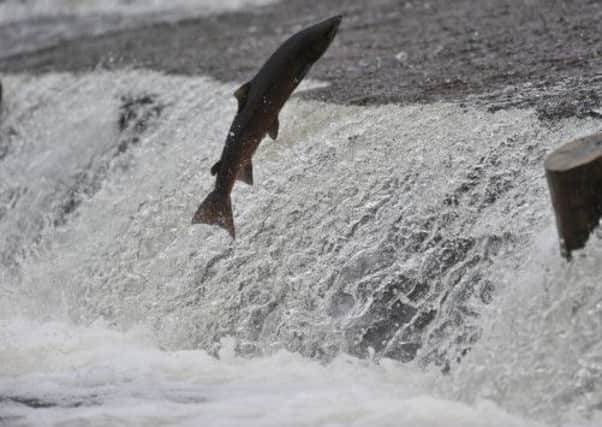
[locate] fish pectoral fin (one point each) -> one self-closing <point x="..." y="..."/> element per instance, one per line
<point x="245" y="174"/>
<point x="241" y="94"/>
<point x="304" y="72"/>
<point x="215" y="167"/>
<point x="273" y="132"/>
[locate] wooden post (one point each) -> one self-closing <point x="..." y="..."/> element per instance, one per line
<point x="574" y="173"/>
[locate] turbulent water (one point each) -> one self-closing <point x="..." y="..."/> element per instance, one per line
<point x="27" y="25"/>
<point x="393" y="265"/>
<point x="405" y="236"/>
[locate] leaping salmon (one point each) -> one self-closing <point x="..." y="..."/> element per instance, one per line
<point x="259" y="103"/>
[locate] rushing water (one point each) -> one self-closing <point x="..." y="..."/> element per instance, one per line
<point x="393" y="265"/>
<point x="27" y="25"/>
<point x="17" y="10"/>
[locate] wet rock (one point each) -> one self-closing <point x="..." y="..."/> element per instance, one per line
<point x="136" y="113"/>
<point x="85" y="184"/>
<point x="31" y="402"/>
<point x="580" y="105"/>
<point x="45" y="403"/>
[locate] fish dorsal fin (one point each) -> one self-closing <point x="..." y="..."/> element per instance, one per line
<point x="245" y="173"/>
<point x="273" y="132"/>
<point x="215" y="167"/>
<point x="241" y="94"/>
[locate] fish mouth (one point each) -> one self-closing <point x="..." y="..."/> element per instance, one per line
<point x="335" y="21"/>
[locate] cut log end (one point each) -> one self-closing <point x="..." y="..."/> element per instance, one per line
<point x="575" y="154"/>
<point x="574" y="173"/>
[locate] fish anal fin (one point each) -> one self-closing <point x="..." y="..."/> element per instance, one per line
<point x="241" y="94"/>
<point x="245" y="174"/>
<point x="273" y="132"/>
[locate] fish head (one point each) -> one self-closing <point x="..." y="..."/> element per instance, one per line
<point x="318" y="37"/>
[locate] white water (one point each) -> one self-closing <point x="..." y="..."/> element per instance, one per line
<point x="15" y="10"/>
<point x="27" y="25"/>
<point x="124" y="379"/>
<point x="109" y="311"/>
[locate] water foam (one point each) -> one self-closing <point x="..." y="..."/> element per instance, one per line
<point x="541" y="352"/>
<point x="398" y="232"/>
<point x="96" y="376"/>
<point x="11" y="10"/>
<point x="29" y="25"/>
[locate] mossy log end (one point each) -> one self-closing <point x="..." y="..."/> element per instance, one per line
<point x="574" y="173"/>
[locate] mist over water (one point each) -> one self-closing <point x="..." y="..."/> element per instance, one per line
<point x="393" y="265"/>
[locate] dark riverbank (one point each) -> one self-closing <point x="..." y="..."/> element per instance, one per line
<point x="546" y="54"/>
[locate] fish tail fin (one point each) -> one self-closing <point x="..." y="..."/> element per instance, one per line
<point x="216" y="209"/>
